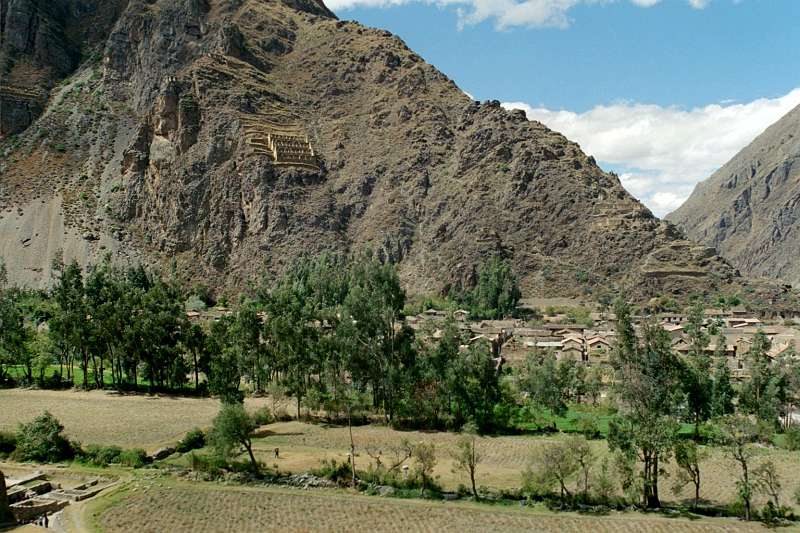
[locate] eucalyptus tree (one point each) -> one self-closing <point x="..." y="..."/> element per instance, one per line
<point x="649" y="388"/>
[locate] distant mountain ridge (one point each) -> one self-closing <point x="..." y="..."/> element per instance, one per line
<point x="749" y="210"/>
<point x="228" y="136"/>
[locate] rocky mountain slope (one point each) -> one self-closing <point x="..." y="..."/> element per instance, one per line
<point x="230" y="136"/>
<point x="749" y="210"/>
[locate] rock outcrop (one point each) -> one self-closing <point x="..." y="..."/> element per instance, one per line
<point x="749" y="210"/>
<point x="183" y="140"/>
<point x="42" y="42"/>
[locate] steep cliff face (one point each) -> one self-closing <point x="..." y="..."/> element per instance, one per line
<point x="750" y="209"/>
<point x="235" y="135"/>
<point x="42" y="42"/>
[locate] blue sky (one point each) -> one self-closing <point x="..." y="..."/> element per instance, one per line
<point x="663" y="92"/>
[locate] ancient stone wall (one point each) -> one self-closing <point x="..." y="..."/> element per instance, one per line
<point x="5" y="510"/>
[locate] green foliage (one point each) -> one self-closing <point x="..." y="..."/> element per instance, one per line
<point x="588" y="426"/>
<point x="419" y="304"/>
<point x="649" y="383"/>
<point x="722" y="391"/>
<point x="263" y="416"/>
<point x="466" y="458"/>
<point x="337" y="472"/>
<point x="233" y="427"/>
<point x="193" y="440"/>
<point x="42" y="440"/>
<point x="97" y="455"/>
<point x="761" y="393"/>
<point x="497" y="293"/>
<point x="791" y="439"/>
<point x="195" y="303"/>
<point x="207" y="464"/>
<point x="688" y="456"/>
<point x="135" y="458"/>
<point x="424" y="456"/>
<point x="738" y="435"/>
<point x="544" y="383"/>
<point x="556" y="465"/>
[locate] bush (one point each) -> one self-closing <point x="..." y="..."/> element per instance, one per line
<point x="8" y="443"/>
<point x="262" y="417"/>
<point x="208" y="464"/>
<point x="43" y="440"/>
<point x="194" y="303"/>
<point x="135" y="458"/>
<point x="792" y="438"/>
<point x="337" y="472"/>
<point x="193" y="440"/>
<point x="101" y="455"/>
<point x="588" y="426"/>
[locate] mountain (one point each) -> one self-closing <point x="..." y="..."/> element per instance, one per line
<point x="232" y="136"/>
<point x="749" y="210"/>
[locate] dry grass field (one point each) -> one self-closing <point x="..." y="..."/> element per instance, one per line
<point x="302" y="446"/>
<point x="181" y="507"/>
<point x="107" y="418"/>
<point x="151" y="422"/>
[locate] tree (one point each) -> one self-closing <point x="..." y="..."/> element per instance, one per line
<point x="738" y="434"/>
<point x="649" y="385"/>
<point x="466" y="457"/>
<point x="722" y="391"/>
<point x="697" y="384"/>
<point x="554" y="465"/>
<point x="497" y="293"/>
<point x="544" y="383"/>
<point x="196" y="343"/>
<point x="14" y="335"/>
<point x="425" y="461"/>
<point x="581" y="449"/>
<point x="767" y="480"/>
<point x="224" y="371"/>
<point x="233" y="427"/>
<point x="688" y="456"/>
<point x="603" y="482"/>
<point x="648" y="439"/>
<point x="42" y="440"/>
<point x="594" y="383"/>
<point x="759" y="393"/>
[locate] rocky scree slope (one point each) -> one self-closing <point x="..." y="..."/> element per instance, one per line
<point x="749" y="210"/>
<point x="155" y="149"/>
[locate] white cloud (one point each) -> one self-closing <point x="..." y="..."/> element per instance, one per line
<point x="662" y="152"/>
<point x="504" y="13"/>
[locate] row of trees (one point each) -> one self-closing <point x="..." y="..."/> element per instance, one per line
<point x="330" y="333"/>
<point x="127" y="323"/>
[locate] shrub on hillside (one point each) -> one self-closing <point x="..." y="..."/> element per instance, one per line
<point x="43" y="440"/>
<point x="193" y="440"/>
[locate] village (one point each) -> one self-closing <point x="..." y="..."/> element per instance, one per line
<point x="584" y="333"/>
<point x="591" y="340"/>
